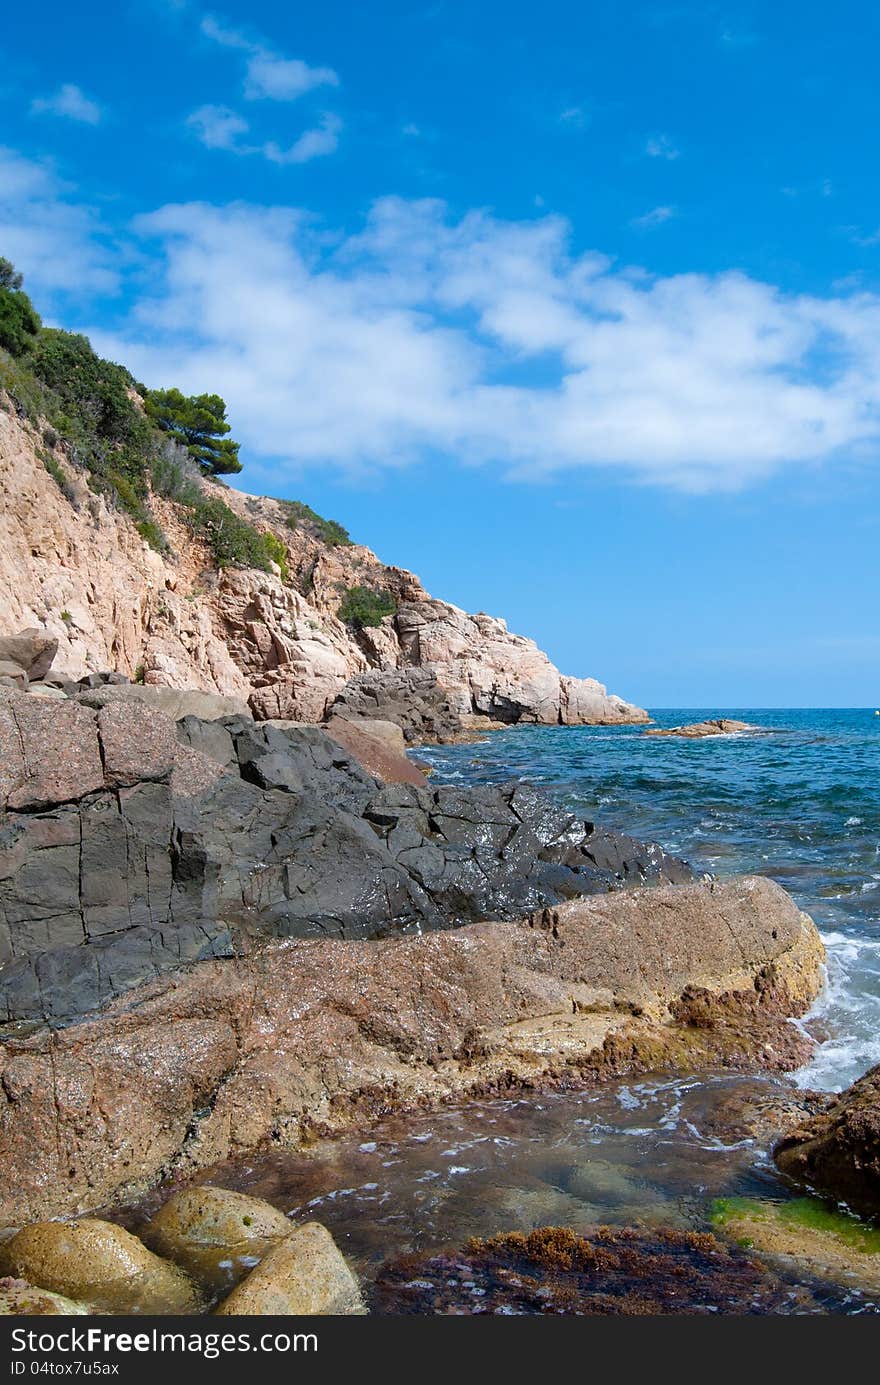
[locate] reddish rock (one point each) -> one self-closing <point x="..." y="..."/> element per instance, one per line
<point x="379" y="746"/>
<point x="318" y="1036"/>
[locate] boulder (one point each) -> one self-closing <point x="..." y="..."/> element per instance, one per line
<point x="13" y="675"/>
<point x="411" y="698"/>
<point x="379" y="746"/>
<point x="172" y="702"/>
<point x="216" y="1235"/>
<point x="32" y="650"/>
<point x="49" y="753"/>
<point x="20" y="1299"/>
<point x="837" y="1150"/>
<point x="191" y="1070"/>
<point x="49" y="691"/>
<point x="304" y="1275"/>
<point x="98" y="1263"/>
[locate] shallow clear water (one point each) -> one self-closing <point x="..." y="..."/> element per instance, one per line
<point x="799" y="803"/>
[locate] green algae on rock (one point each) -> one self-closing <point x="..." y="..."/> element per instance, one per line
<point x="807" y="1234"/>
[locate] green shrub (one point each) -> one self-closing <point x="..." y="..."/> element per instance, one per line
<point x="298" y="515"/>
<point x="153" y="534"/>
<point x="360" y="606"/>
<point x="277" y="551"/>
<point x="233" y="542"/>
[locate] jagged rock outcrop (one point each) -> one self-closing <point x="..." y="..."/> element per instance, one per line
<point x="130" y="844"/>
<point x="836" y="1151"/>
<point x="308" y="1036"/>
<point x="78" y="571"/>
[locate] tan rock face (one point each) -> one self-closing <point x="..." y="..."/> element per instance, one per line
<point x="305" y="1274"/>
<point x="79" y="576"/>
<point x="316" y="1037"/>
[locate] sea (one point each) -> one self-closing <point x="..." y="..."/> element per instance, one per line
<point x="798" y="801"/>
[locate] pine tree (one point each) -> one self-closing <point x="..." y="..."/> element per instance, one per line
<point x="197" y="422"/>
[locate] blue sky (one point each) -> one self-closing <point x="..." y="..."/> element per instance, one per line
<point x="574" y="309"/>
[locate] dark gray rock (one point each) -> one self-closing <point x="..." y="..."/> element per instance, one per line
<point x="410" y="697"/>
<point x="295" y="838"/>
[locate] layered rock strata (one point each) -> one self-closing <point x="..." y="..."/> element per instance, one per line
<point x="309" y="1037"/>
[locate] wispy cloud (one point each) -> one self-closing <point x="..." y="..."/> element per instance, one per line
<point x="661" y="147"/>
<point x="217" y="127"/>
<point x="71" y="103"/>
<point x="866" y="239"/>
<point x="313" y="144"/>
<point x="56" y="241"/>
<point x="269" y="75"/>
<point x="575" y="117"/>
<point x="733" y="39"/>
<point x="655" y="217"/>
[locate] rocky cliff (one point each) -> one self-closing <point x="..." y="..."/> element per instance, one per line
<point x="73" y="565"/>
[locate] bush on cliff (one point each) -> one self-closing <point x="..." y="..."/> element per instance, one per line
<point x="360" y="607"/>
<point x="133" y="442"/>
<point x="297" y="516"/>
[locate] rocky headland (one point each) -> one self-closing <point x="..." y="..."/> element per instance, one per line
<point x="76" y="567"/>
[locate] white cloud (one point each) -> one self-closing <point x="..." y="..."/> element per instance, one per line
<point x="71" y="102"/>
<point x="415" y="337"/>
<point x="661" y="147"/>
<point x="269" y="75"/>
<point x="55" y="242"/>
<point x="655" y="217"/>
<point x="313" y="144"/>
<point x="217" y="127"/>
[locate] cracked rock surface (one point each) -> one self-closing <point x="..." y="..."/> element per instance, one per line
<point x="131" y="844"/>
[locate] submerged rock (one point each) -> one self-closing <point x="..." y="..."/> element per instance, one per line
<point x="805" y="1235"/>
<point x="716" y="726"/>
<point x="216" y="1235"/>
<point x="837" y="1150"/>
<point x="305" y="1274"/>
<point x="101" y="1264"/>
<point x="602" y="1271"/>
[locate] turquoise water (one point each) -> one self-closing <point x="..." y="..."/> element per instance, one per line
<point x="798" y="801"/>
